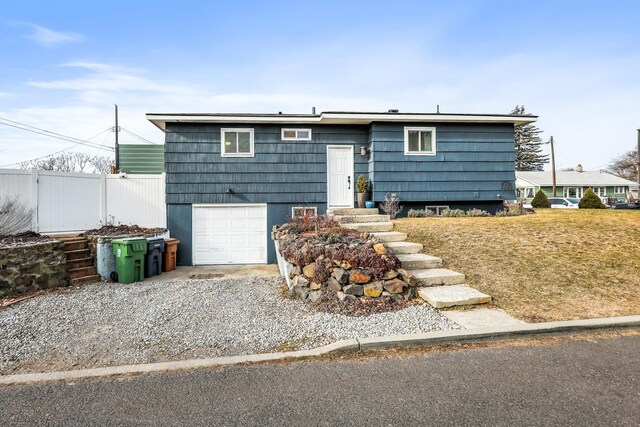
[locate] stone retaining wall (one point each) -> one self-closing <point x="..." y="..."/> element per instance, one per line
<point x="32" y="267"/>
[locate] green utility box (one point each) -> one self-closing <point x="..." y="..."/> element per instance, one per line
<point x="129" y="259"/>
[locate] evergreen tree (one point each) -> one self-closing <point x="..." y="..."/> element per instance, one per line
<point x="540" y="200"/>
<point x="590" y="200"/>
<point x="528" y="144"/>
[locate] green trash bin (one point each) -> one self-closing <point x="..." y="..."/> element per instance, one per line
<point x="129" y="259"/>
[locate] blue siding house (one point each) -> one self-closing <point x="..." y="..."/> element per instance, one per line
<point x="231" y="177"/>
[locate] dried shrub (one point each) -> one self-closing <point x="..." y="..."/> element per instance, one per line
<point x="15" y="217"/>
<point x="453" y="213"/>
<point x="310" y="223"/>
<point x="420" y="213"/>
<point x="477" y="213"/>
<point x="391" y="205"/>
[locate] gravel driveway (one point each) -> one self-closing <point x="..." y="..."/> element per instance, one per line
<point x="113" y="324"/>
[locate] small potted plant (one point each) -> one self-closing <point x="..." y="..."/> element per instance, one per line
<point x="362" y="187"/>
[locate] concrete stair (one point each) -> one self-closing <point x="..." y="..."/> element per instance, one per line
<point x="369" y="227"/>
<point x="419" y="261"/>
<point x="438" y="286"/>
<point x="438" y="277"/>
<point x="451" y="296"/>
<point x="80" y="263"/>
<point x="390" y="236"/>
<point x="345" y="219"/>
<point x="403" y="248"/>
<point x="353" y="211"/>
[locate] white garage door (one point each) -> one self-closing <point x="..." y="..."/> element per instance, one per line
<point x="229" y="234"/>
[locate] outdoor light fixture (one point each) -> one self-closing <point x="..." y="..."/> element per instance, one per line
<point x="363" y="150"/>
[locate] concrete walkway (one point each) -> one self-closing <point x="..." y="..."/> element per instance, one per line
<point x="217" y="272"/>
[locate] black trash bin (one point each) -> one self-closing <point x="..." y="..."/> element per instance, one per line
<point x="153" y="258"/>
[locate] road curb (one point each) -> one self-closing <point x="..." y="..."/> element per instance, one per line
<point x="359" y="344"/>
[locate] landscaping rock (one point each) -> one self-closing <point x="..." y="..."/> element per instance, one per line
<point x="373" y="290"/>
<point x="359" y="276"/>
<point x="357" y="290"/>
<point x="409" y="293"/>
<point x="300" y="292"/>
<point x="407" y="277"/>
<point x="296" y="271"/>
<point x="315" y="296"/>
<point x="314" y="286"/>
<point x="345" y="297"/>
<point x="379" y="248"/>
<point x="341" y="275"/>
<point x="300" y="282"/>
<point x="309" y="270"/>
<point x="333" y="284"/>
<point x="394" y="286"/>
<point x="391" y="274"/>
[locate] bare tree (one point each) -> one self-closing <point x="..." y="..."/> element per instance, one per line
<point x="15" y="217"/>
<point x="391" y="205"/>
<point x="625" y="166"/>
<point x="70" y="162"/>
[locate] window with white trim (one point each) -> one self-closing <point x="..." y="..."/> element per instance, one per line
<point x="304" y="211"/>
<point x="574" y="192"/>
<point x="620" y="190"/>
<point x="420" y="141"/>
<point x="237" y="142"/>
<point x="296" y="134"/>
<point x="600" y="191"/>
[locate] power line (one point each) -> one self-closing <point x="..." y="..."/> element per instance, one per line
<point x="138" y="136"/>
<point x="50" y="134"/>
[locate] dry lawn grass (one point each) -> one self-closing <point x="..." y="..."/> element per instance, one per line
<point x="553" y="265"/>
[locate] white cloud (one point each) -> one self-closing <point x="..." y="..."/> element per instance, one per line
<point x="49" y="38"/>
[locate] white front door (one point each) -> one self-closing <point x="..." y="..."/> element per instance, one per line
<point x="229" y="234"/>
<point x="340" y="176"/>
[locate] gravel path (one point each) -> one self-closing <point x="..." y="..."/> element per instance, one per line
<point x="112" y="324"/>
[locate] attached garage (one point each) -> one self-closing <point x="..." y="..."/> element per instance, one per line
<point x="229" y="234"/>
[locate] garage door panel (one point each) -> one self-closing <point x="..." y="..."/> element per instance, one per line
<point x="229" y="234"/>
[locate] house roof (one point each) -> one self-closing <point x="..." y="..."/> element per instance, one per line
<point x="573" y="178"/>
<point x="335" y="117"/>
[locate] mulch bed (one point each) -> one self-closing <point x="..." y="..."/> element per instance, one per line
<point x="121" y="230"/>
<point x="23" y="239"/>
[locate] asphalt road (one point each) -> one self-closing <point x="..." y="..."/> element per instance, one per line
<point x="573" y="383"/>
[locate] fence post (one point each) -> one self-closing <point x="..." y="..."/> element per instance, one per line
<point x="34" y="200"/>
<point x="103" y="199"/>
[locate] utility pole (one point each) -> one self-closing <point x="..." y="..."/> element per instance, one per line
<point x="553" y="165"/>
<point x="117" y="130"/>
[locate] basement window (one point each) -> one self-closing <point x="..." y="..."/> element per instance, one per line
<point x="420" y="141"/>
<point x="304" y="211"/>
<point x="436" y="209"/>
<point x="296" y="134"/>
<point x="236" y="142"/>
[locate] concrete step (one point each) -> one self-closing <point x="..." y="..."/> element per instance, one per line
<point x="419" y="261"/>
<point x="79" y="262"/>
<point x="451" y="296"/>
<point x="82" y="271"/>
<point x="346" y="219"/>
<point x="369" y="227"/>
<point x="78" y="253"/>
<point x="93" y="278"/>
<point x="353" y="211"/>
<point x="74" y="245"/>
<point x="438" y="276"/>
<point x="400" y="248"/>
<point x="390" y="236"/>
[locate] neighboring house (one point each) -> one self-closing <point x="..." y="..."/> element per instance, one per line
<point x="141" y="158"/>
<point x="574" y="184"/>
<point x="231" y="177"/>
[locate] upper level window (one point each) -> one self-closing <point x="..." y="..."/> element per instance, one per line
<point x="296" y="134"/>
<point x="420" y="141"/>
<point x="237" y="142"/>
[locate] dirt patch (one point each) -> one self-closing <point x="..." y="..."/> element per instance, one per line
<point x="205" y="276"/>
<point x="24" y="239"/>
<point x="329" y="303"/>
<point x="121" y="230"/>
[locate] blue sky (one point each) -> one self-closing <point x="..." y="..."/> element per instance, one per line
<point x="573" y="63"/>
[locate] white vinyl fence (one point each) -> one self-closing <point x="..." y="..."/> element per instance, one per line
<point x="64" y="201"/>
